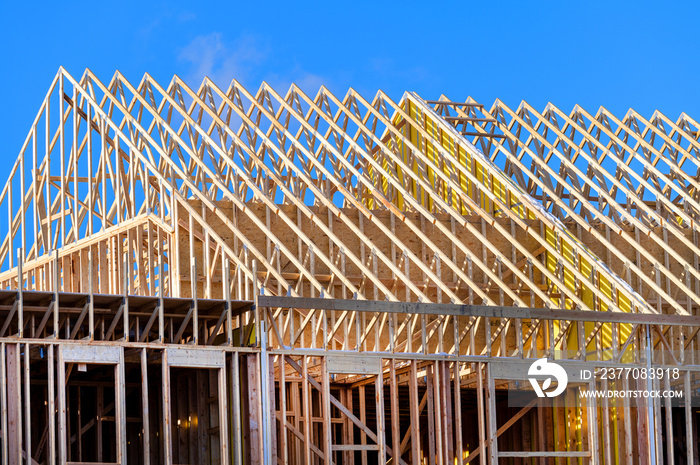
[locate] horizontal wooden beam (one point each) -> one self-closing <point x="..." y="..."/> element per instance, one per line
<point x="545" y="454"/>
<point x="475" y="310"/>
<point x="455" y="104"/>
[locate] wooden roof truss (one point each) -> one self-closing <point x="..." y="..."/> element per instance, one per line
<point x="157" y="160"/>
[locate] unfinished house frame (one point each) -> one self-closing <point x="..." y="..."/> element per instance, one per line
<point x="213" y="276"/>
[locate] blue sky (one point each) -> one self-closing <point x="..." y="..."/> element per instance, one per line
<point x="619" y="55"/>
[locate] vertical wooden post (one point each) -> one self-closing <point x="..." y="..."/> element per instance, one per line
<point x="447" y="418"/>
<point x="223" y="417"/>
<point x="491" y="410"/>
<point x="48" y="237"/>
<point x="236" y="401"/>
<point x="255" y="299"/>
<point x="307" y="409"/>
<point x="363" y="419"/>
<point x="254" y="410"/>
<point x="193" y="282"/>
<point x="605" y="423"/>
<point x="14" y="404"/>
<point x="283" y="411"/>
<point x="52" y="405"/>
<point x="669" y="424"/>
<point x="381" y="428"/>
<point x="395" y="427"/>
<point x="20" y="290"/>
<point x="62" y="439"/>
<point x="128" y="278"/>
<point x="627" y="421"/>
<point x="91" y="303"/>
<point x="687" y="394"/>
<point x="439" y="413"/>
<point x="150" y="260"/>
<point x="91" y="202"/>
<point x="593" y="443"/>
<point x="55" y="296"/>
<point x="161" y="295"/>
<point x="175" y="271"/>
<point x="144" y="407"/>
<point x="120" y="408"/>
<point x="326" y="412"/>
<point x="74" y="219"/>
<point x="22" y="189"/>
<point x="649" y="403"/>
<point x="167" y="432"/>
<point x="27" y="407"/>
<point x="415" y="414"/>
<point x="195" y="306"/>
<point x="119" y="193"/>
<point x="431" y="414"/>
<point x="458" y="413"/>
<point x="266" y="427"/>
<point x="62" y="153"/>
<point x="3" y="403"/>
<point x="226" y="284"/>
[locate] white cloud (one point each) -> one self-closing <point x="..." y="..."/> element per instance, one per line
<point x="250" y="61"/>
<point x="310" y="83"/>
<point x="210" y="55"/>
<point x="247" y="59"/>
